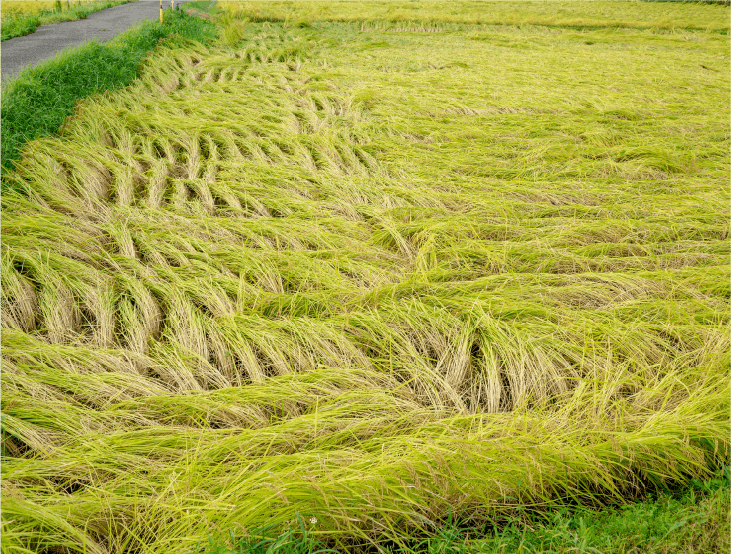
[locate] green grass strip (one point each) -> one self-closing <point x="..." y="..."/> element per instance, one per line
<point x="38" y="101"/>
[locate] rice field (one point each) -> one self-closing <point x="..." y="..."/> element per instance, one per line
<point x="602" y="14"/>
<point x="366" y="265"/>
<point x="22" y="17"/>
<point x="30" y="7"/>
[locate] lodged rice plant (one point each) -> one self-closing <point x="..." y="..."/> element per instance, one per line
<point x="366" y="274"/>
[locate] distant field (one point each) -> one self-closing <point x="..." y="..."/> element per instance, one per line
<point x="368" y="265"/>
<point x="20" y="17"/>
<point x="603" y="14"/>
<point x="35" y="6"/>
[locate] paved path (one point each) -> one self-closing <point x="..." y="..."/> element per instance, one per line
<point x="48" y="40"/>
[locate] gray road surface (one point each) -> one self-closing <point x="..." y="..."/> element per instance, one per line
<point x="48" y="40"/>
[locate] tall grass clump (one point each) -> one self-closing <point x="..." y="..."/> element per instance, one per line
<point x="342" y="281"/>
<point x="37" y="101"/>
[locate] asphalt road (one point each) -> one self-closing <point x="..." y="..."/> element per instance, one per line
<point x="49" y="40"/>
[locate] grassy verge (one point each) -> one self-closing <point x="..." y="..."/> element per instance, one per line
<point x="202" y="5"/>
<point x="694" y="522"/>
<point x="39" y="99"/>
<point x="205" y="9"/>
<point x="21" y="24"/>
